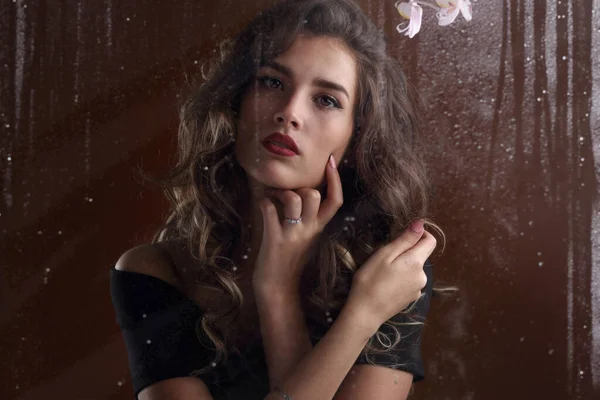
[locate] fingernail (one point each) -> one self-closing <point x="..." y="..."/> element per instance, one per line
<point x="417" y="226"/>
<point x="332" y="161"/>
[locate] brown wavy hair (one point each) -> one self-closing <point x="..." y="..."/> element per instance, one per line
<point x="384" y="180"/>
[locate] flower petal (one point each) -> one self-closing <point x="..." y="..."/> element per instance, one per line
<point x="404" y="9"/>
<point x="465" y="9"/>
<point x="446" y="17"/>
<point x="402" y="29"/>
<point x="415" y="20"/>
<point x="444" y="3"/>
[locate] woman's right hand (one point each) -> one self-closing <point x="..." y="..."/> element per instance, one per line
<point x="392" y="277"/>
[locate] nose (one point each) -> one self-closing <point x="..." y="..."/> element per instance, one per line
<point x="288" y="114"/>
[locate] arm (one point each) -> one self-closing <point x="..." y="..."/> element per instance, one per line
<point x="322" y="370"/>
<point x="286" y="341"/>
<point x="283" y="328"/>
<point x="152" y="378"/>
<point x="377" y="294"/>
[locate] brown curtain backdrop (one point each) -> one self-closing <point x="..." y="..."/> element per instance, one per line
<point x="88" y="92"/>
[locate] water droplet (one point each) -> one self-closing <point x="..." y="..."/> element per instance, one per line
<point x="60" y="232"/>
<point x="148" y="341"/>
<point x="47" y="269"/>
<point x="119" y="383"/>
<point x="551" y="351"/>
<point x="522" y="339"/>
<point x="144" y="315"/>
<point x="541" y="264"/>
<point x="564" y="57"/>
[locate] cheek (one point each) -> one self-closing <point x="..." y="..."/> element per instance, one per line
<point x="341" y="140"/>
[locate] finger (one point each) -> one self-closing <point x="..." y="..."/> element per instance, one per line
<point x="335" y="195"/>
<point x="311" y="201"/>
<point x="271" y="224"/>
<point x="405" y="240"/>
<point x="292" y="202"/>
<point x="423" y="248"/>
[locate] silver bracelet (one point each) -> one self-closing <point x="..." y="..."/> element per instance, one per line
<point x="283" y="395"/>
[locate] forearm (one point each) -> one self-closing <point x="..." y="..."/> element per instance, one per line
<point x="284" y="334"/>
<point x="321" y="372"/>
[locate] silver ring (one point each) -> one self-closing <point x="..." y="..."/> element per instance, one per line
<point x="293" y="220"/>
<point x="283" y="395"/>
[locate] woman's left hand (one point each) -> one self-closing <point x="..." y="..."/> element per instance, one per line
<point x="285" y="247"/>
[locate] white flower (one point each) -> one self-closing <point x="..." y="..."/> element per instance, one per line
<point x="449" y="10"/>
<point x="414" y="13"/>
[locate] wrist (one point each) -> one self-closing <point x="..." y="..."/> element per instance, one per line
<point x="364" y="320"/>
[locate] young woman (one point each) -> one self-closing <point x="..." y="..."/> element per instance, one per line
<point x="294" y="261"/>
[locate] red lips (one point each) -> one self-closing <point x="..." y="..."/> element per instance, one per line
<point x="285" y="140"/>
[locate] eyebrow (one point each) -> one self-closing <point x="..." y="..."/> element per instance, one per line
<point x="317" y="81"/>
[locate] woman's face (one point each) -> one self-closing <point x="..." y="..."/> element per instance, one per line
<point x="307" y="94"/>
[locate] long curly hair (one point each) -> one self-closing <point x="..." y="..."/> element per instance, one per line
<point x="384" y="179"/>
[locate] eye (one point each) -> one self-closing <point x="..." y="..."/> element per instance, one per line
<point x="329" y="102"/>
<point x="270" y="82"/>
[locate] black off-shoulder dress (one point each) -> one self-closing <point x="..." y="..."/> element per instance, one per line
<point x="159" y="328"/>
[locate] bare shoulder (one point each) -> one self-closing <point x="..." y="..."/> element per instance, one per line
<point x="149" y="259"/>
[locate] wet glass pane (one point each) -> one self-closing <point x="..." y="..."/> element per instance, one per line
<point x="90" y="92"/>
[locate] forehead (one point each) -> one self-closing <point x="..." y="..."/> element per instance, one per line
<point x="321" y="56"/>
